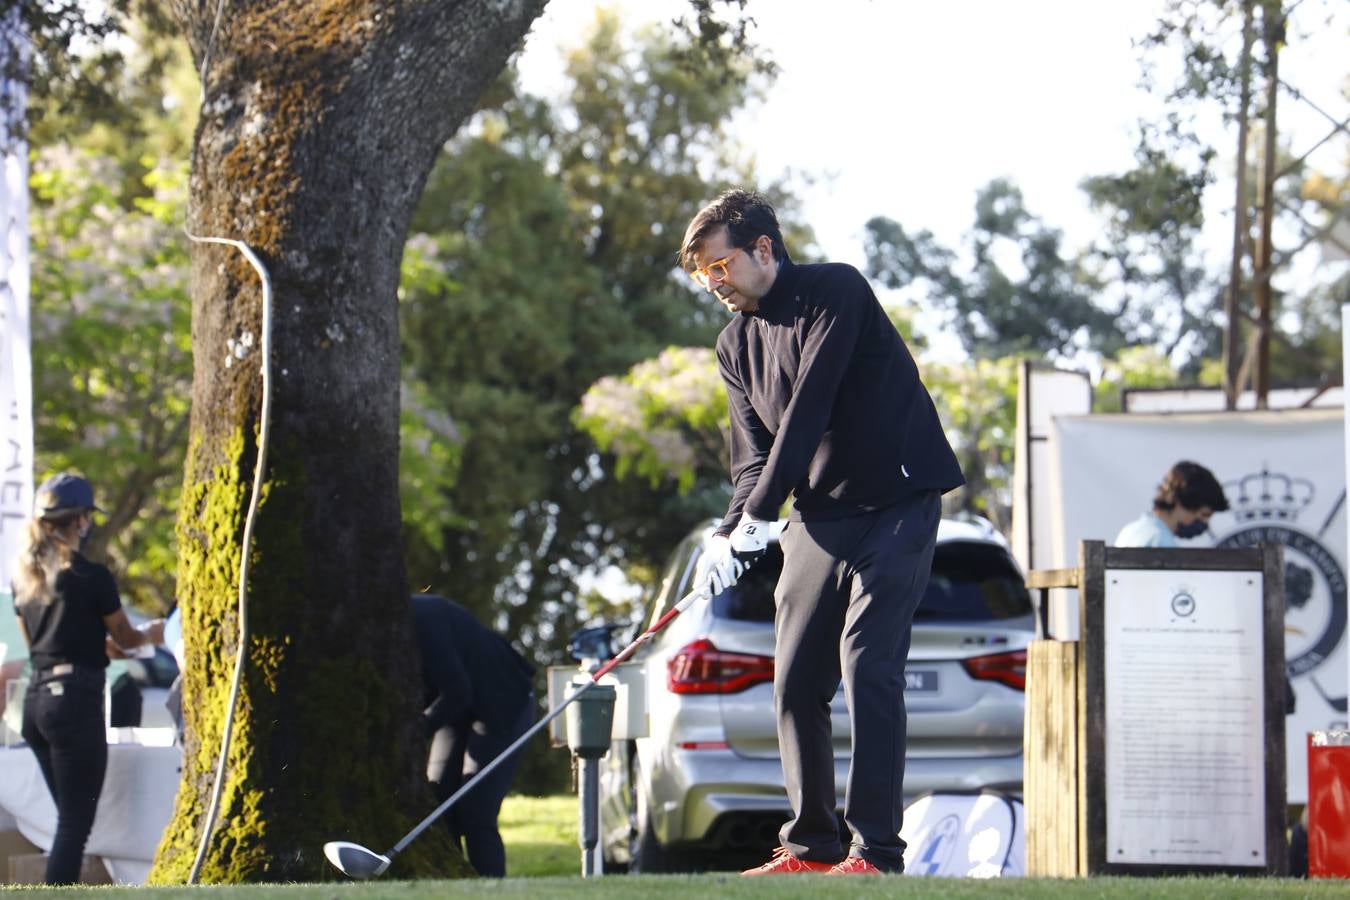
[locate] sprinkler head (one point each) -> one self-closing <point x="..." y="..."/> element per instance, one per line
<point x="355" y="861"/>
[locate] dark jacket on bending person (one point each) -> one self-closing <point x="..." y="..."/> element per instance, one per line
<point x="471" y="674"/>
<point x="826" y="403"/>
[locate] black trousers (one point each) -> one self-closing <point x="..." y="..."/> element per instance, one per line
<point x="846" y="602"/>
<point x="63" y="722"/>
<point x="473" y="818"/>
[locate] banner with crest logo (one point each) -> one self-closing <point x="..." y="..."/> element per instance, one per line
<point x="1284" y="475"/>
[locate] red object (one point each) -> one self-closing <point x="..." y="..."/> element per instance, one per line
<point x="854" y="865"/>
<point x="1329" y="804"/>
<point x="700" y="668"/>
<point x="1005" y="668"/>
<point x="784" y="863"/>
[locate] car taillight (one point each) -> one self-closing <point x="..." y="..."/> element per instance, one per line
<point x="700" y="668"/>
<point x="1005" y="668"/>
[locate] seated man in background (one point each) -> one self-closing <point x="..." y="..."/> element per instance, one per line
<point x="480" y="698"/>
<point x="1188" y="496"/>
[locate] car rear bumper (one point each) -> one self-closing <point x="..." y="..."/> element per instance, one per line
<point x="732" y="802"/>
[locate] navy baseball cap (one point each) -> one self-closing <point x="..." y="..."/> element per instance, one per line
<point x="64" y="492"/>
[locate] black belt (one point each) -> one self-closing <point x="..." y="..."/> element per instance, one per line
<point x="75" y="672"/>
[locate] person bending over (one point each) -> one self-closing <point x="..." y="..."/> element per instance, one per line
<point x="479" y="699"/>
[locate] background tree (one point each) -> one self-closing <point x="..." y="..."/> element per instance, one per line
<point x="1022" y="293"/>
<point x="1148" y="259"/>
<point x="111" y="343"/>
<point x="543" y="260"/>
<point x="111" y="352"/>
<point x="666" y="419"/>
<point x="1150" y="251"/>
<point x="319" y="125"/>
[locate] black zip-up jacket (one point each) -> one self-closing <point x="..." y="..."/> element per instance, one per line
<point x="826" y="403"/>
<point x="470" y="673"/>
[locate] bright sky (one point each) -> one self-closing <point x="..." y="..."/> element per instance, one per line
<point x="905" y="109"/>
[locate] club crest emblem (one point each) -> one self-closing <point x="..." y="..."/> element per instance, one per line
<point x="1266" y="506"/>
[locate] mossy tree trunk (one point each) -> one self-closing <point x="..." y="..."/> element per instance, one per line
<point x="320" y="122"/>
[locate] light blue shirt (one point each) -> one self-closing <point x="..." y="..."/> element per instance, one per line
<point x="1146" y="531"/>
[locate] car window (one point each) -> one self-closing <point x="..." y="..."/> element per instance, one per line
<point x="679" y="570"/>
<point x="971" y="581"/>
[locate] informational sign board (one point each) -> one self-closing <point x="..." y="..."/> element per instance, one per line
<point x="1185" y="719"/>
<point x="1181" y="696"/>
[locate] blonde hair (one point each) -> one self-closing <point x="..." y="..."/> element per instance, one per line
<point x="51" y="543"/>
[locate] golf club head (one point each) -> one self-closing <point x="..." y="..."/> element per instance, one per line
<point x="355" y="861"/>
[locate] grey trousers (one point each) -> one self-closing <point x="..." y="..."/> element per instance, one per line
<point x="846" y="602"/>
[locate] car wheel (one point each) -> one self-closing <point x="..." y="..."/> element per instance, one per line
<point x="647" y="853"/>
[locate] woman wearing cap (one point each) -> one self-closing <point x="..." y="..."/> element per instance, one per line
<point x="67" y="608"/>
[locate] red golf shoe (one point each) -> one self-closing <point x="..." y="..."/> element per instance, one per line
<point x="854" y="865"/>
<point x="784" y="863"/>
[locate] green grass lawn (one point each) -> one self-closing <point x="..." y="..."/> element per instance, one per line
<point x="545" y="864"/>
<point x="540" y="834"/>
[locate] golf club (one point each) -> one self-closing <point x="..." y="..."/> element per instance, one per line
<point x="356" y="861"/>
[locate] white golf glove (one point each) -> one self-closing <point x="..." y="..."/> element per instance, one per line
<point x="718" y="568"/>
<point x="750" y="538"/>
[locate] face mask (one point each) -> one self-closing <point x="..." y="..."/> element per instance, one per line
<point x="1194" y="529"/>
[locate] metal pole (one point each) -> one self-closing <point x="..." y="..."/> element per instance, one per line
<point x="1232" y="335"/>
<point x="589" y="833"/>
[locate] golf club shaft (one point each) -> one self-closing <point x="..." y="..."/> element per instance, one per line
<point x="534" y="729"/>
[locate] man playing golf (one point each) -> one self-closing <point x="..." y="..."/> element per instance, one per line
<point x="827" y="406"/>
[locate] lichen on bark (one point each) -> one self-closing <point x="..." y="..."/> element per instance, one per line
<point x="296" y="710"/>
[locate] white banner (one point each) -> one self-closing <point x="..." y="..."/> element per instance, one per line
<point x="16" y="380"/>
<point x="1284" y="474"/>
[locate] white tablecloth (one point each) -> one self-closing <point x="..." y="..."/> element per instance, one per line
<point x="137" y="801"/>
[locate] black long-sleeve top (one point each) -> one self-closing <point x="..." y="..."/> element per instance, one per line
<point x="470" y="674"/>
<point x="826" y="403"/>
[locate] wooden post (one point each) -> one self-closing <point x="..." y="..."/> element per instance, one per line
<point x="1051" y="741"/>
<point x="1050" y="754"/>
